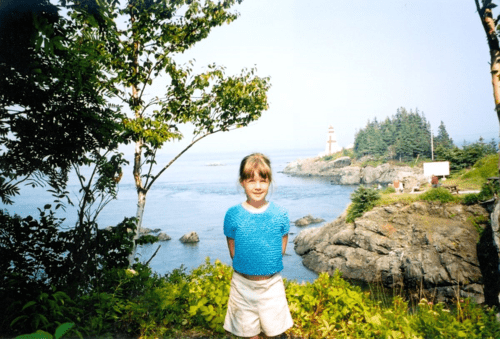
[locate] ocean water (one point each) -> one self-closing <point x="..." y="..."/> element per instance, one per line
<point x="193" y="195"/>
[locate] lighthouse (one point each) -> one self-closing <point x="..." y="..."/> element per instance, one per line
<point x="331" y="142"/>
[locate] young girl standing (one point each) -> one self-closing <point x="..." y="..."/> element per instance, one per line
<point x="257" y="235"/>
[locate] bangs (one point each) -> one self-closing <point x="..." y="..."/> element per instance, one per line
<point x="256" y="165"/>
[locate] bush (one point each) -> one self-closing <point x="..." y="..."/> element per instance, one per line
<point x="140" y="303"/>
<point x="470" y="199"/>
<point x="484" y="168"/>
<point x="466" y="156"/>
<point x="363" y="199"/>
<point x="489" y="190"/>
<point x="438" y="194"/>
<point x="37" y="258"/>
<point x="389" y="190"/>
<point x="44" y="312"/>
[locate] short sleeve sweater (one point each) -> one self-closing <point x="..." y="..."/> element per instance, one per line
<point x="257" y="238"/>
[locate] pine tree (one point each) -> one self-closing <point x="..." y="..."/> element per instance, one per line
<point x="443" y="139"/>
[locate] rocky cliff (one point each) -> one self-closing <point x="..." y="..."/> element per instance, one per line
<point x="342" y="172"/>
<point x="422" y="247"/>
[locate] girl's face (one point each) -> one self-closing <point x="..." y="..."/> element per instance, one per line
<point x="256" y="189"/>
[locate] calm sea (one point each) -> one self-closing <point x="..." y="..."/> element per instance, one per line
<point x="193" y="195"/>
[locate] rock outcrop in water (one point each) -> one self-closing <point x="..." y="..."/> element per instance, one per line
<point x="421" y="247"/>
<point x="307" y="220"/>
<point x="341" y="172"/>
<point x="190" y="238"/>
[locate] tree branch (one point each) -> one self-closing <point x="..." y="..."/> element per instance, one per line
<point x="177" y="157"/>
<point x="154" y="254"/>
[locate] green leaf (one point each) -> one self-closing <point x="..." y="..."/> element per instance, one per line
<point x="37" y="335"/>
<point x="62" y="329"/>
<point x="28" y="304"/>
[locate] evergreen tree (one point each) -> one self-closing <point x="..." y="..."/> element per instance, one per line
<point x="443" y="139"/>
<point x="405" y="136"/>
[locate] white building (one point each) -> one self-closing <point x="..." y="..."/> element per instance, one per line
<point x="331" y="143"/>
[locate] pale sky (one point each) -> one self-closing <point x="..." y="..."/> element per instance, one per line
<point x="342" y="63"/>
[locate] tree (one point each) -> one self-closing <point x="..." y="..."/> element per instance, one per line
<point x="443" y="138"/>
<point x="54" y="117"/>
<point x="489" y="24"/>
<point x="155" y="33"/>
<point x="406" y="135"/>
<point x="485" y="11"/>
<point x="52" y="107"/>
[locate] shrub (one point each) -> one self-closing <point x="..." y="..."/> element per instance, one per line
<point x="389" y="190"/>
<point x="139" y="303"/>
<point x="488" y="190"/>
<point x="45" y="312"/>
<point x="60" y="332"/>
<point x="484" y="168"/>
<point x="466" y="321"/>
<point x="470" y="199"/>
<point x="363" y="199"/>
<point x="438" y="194"/>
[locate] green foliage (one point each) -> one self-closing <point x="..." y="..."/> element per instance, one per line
<point x="52" y="107"/>
<point x="470" y="199"/>
<point x="489" y="190"/>
<point x="389" y="190"/>
<point x="137" y="43"/>
<point x="146" y="239"/>
<point x="61" y="330"/>
<point x="468" y="321"/>
<point x="363" y="199"/>
<point x="327" y="307"/>
<point x="37" y="256"/>
<point x="479" y="222"/>
<point x="443" y="138"/>
<point x="331" y="308"/>
<point x="344" y="153"/>
<point x="404" y="136"/>
<point x="468" y="155"/>
<point x="438" y="194"/>
<point x="139" y="303"/>
<point x="483" y="168"/>
<point x="209" y="287"/>
<point x="45" y="312"/>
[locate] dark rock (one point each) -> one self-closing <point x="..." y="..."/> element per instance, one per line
<point x="427" y="247"/>
<point x="190" y="237"/>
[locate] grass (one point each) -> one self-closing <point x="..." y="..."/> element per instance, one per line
<point x="471" y="179"/>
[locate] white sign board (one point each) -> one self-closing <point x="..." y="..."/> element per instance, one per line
<point x="438" y="168"/>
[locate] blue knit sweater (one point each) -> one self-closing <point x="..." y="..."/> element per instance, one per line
<point x="257" y="238"/>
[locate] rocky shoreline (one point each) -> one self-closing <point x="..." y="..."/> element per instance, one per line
<point x="425" y="248"/>
<point x="342" y="172"/>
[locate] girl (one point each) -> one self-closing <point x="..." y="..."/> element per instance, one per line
<point x="257" y="235"/>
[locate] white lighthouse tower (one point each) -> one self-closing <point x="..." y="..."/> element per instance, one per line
<point x="331" y="142"/>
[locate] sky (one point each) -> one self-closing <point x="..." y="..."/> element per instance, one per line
<point x="342" y="63"/>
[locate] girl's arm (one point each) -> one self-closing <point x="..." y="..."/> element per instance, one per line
<point x="284" y="241"/>
<point x="230" y="245"/>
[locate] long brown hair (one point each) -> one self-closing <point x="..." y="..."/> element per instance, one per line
<point x="256" y="163"/>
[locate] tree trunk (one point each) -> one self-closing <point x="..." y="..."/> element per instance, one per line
<point x="141" y="204"/>
<point x="492" y="289"/>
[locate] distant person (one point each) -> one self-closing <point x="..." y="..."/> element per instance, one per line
<point x="257" y="235"/>
<point x="398" y="186"/>
<point x="435" y="181"/>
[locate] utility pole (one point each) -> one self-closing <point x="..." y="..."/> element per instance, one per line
<point x="432" y="146"/>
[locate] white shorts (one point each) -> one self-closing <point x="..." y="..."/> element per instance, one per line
<point x="257" y="306"/>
